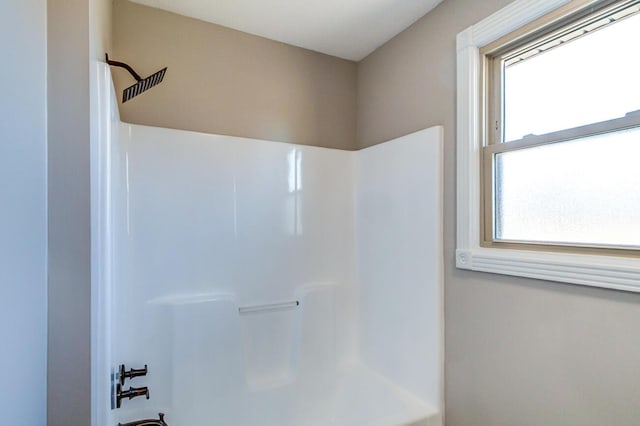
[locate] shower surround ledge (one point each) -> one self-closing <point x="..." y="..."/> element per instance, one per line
<point x="266" y="283"/>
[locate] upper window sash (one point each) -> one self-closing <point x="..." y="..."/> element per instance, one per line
<point x="561" y="27"/>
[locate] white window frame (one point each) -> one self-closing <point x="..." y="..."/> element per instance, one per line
<point x="621" y="273"/>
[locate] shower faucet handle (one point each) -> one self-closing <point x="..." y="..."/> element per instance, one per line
<point x="124" y="374"/>
<point x="130" y="393"/>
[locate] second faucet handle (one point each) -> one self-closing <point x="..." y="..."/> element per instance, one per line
<point x="130" y="393"/>
<point x="130" y="374"/>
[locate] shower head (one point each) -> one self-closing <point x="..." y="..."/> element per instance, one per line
<point x="142" y="85"/>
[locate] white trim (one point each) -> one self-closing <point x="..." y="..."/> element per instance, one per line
<point x="506" y="20"/>
<point x="591" y="270"/>
<point x="103" y="114"/>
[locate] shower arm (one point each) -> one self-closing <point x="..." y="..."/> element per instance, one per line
<point x="123" y="65"/>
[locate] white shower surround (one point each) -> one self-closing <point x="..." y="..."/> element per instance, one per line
<point x="196" y="226"/>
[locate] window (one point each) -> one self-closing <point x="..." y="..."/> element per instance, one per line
<point x="549" y="142"/>
<point x="561" y="153"/>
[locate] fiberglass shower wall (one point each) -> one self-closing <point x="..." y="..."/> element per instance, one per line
<point x="213" y="224"/>
<point x="210" y="232"/>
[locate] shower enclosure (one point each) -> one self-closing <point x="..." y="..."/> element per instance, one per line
<point x="264" y="283"/>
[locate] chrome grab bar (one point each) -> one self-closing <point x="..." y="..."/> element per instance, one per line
<point x="268" y="307"/>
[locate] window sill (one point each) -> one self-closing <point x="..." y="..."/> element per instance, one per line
<point x="619" y="273"/>
<point x="591" y="270"/>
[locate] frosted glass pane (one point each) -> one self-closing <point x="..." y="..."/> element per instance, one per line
<point x="590" y="79"/>
<point x="585" y="191"/>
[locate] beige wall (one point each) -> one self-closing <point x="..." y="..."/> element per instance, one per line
<point x="77" y="31"/>
<point x="227" y="82"/>
<point x="100" y="22"/>
<point x="518" y="351"/>
<point x="69" y="348"/>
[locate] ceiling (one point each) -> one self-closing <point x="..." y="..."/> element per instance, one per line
<point x="349" y="29"/>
